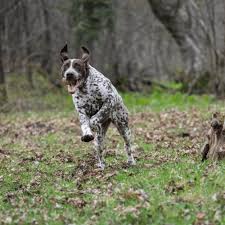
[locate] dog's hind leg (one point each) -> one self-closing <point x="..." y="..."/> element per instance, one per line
<point x="99" y="143"/>
<point x="125" y="132"/>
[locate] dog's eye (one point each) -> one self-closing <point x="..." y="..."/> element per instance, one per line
<point x="66" y="66"/>
<point x="77" y="66"/>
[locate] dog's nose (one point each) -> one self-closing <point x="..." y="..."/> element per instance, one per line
<point x="69" y="76"/>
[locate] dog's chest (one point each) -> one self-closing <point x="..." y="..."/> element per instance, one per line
<point x="89" y="100"/>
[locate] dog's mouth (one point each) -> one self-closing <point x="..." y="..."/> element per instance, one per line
<point x="71" y="85"/>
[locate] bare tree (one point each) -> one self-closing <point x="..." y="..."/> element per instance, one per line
<point x="3" y="93"/>
<point x="181" y="18"/>
<point x="133" y="45"/>
<point x="47" y="63"/>
<point x="26" y="26"/>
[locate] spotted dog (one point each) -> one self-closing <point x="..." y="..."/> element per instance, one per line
<point x="96" y="101"/>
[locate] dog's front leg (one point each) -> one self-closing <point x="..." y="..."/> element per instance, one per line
<point x="87" y="134"/>
<point x="101" y="116"/>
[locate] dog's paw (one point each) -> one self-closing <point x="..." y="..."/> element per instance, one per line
<point x="131" y="161"/>
<point x="87" y="138"/>
<point x="101" y="165"/>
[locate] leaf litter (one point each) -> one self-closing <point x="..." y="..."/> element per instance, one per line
<point x="173" y="131"/>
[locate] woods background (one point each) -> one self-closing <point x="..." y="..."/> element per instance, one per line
<point x="134" y="43"/>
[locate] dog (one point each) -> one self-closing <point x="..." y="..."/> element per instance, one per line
<point x="97" y="102"/>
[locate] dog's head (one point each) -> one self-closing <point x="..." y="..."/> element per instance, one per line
<point x="74" y="71"/>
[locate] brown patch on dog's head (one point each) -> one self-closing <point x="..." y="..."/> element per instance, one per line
<point x="74" y="71"/>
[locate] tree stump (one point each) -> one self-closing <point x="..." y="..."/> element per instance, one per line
<point x="214" y="147"/>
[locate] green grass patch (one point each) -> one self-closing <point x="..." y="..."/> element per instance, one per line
<point x="158" y="100"/>
<point x="47" y="176"/>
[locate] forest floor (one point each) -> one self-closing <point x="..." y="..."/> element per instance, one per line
<point x="48" y="176"/>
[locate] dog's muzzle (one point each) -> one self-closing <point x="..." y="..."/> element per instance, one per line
<point x="72" y="84"/>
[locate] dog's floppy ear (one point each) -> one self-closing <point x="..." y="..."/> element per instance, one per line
<point x="64" y="53"/>
<point x="85" y="54"/>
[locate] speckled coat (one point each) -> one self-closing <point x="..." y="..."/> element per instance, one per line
<point x="97" y="103"/>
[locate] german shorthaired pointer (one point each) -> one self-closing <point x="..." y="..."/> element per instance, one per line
<point x="97" y="102"/>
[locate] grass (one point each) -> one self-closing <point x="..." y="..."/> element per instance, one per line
<point x="48" y="176"/>
<point x="159" y="101"/>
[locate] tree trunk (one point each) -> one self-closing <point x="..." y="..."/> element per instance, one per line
<point x="47" y="63"/>
<point x="3" y="93"/>
<point x="181" y="18"/>
<point x="27" y="45"/>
